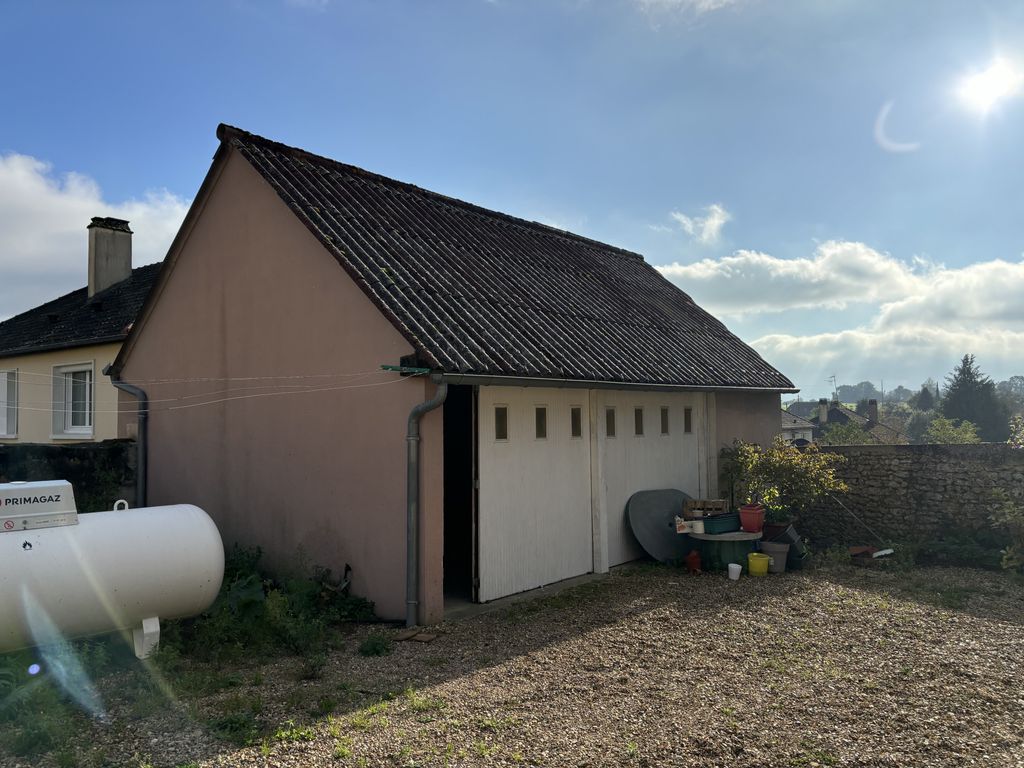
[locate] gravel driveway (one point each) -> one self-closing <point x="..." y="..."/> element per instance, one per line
<point x="838" y="666"/>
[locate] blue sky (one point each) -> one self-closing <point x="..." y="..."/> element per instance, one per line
<point x="805" y="170"/>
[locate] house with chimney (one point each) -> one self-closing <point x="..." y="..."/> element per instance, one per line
<point x="52" y="387"/>
<point x="446" y="402"/>
<point x="832" y="412"/>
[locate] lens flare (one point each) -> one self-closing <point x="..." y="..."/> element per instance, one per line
<point x="984" y="90"/>
<point x="34" y="669"/>
<point x="59" y="656"/>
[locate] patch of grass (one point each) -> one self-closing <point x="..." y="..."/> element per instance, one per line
<point x="483" y="749"/>
<point x="312" y="665"/>
<point x="375" y="645"/>
<point x="495" y="724"/>
<point x="290" y="733"/>
<point x="632" y="750"/>
<point x="237" y="722"/>
<point x="419" y="703"/>
<point x="343" y="749"/>
<point x="323" y="706"/>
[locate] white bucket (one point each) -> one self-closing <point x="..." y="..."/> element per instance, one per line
<point x="735" y="569"/>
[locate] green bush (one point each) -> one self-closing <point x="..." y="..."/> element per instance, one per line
<point x="782" y="477"/>
<point x="256" y="613"/>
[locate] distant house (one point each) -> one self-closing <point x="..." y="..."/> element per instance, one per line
<point x="548" y="376"/>
<point x="836" y="413"/>
<point x="795" y="430"/>
<point x="52" y="357"/>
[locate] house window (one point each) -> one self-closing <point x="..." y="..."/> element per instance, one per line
<point x="638" y="422"/>
<point x="73" y="400"/>
<point x="501" y="422"/>
<point x="541" y="422"/>
<point x="576" y="421"/>
<point x="609" y="422"/>
<point x="8" y="403"/>
<point x="664" y="419"/>
<point x="687" y="420"/>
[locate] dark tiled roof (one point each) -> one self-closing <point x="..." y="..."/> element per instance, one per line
<point x="74" y="321"/>
<point x="480" y="292"/>
<point x="803" y="408"/>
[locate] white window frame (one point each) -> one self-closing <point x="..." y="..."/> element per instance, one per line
<point x="9" y="403"/>
<point x="62" y="402"/>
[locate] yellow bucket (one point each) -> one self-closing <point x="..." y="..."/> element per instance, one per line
<point x="757" y="564"/>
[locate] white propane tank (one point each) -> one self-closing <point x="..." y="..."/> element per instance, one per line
<point x="103" y="571"/>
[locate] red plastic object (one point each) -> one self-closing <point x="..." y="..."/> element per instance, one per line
<point x="752" y="518"/>
<point x="693" y="561"/>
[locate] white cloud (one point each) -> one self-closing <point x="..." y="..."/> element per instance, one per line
<point x="838" y="274"/>
<point x="693" y="7"/>
<point x="43" y="219"/>
<point x="920" y="317"/>
<point x="706" y="229"/>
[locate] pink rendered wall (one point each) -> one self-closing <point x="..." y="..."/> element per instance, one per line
<point x="749" y="416"/>
<point x="251" y="293"/>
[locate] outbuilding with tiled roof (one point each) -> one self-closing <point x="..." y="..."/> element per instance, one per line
<point x="340" y="363"/>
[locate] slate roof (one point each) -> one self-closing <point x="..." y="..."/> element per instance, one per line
<point x="483" y="293"/>
<point x="792" y="421"/>
<point x="74" y="320"/>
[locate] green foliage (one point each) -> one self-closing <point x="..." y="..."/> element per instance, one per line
<point x="257" y="614"/>
<point x="944" y="432"/>
<point x="237" y="721"/>
<point x="918" y="424"/>
<point x="785" y="479"/>
<point x="375" y="645"/>
<point x="845" y="434"/>
<point x="290" y="732"/>
<point x="1016" y="438"/>
<point x="1008" y="516"/>
<point x="971" y="396"/>
<point x="924" y="399"/>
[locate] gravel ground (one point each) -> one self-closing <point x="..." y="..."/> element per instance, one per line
<point x="839" y="666"/>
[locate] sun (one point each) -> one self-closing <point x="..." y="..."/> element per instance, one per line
<point x="984" y="90"/>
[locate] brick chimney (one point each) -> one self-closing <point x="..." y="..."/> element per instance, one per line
<point x="873" y="410"/>
<point x="110" y="253"/>
<point x="822" y="411"/>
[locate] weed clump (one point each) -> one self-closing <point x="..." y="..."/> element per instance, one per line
<point x="258" y="614"/>
<point x="375" y="645"/>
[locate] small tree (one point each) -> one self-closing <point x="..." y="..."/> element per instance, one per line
<point x="923" y="400"/>
<point x="945" y="432"/>
<point x="845" y="434"/>
<point x="971" y="396"/>
<point x="785" y="479"/>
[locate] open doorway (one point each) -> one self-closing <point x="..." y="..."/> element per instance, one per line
<point x="459" y="494"/>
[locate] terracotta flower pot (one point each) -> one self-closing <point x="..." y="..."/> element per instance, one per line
<point x="752" y="518"/>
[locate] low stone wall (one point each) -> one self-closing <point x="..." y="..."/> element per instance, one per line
<point x="100" y="473"/>
<point x="914" y="493"/>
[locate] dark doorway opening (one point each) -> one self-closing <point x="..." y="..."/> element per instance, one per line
<point x="459" y="492"/>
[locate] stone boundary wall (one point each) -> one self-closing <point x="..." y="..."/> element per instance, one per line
<point x="915" y="492"/>
<point x="100" y="473"/>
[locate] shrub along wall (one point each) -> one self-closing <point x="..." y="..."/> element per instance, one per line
<point x="100" y="473"/>
<point x="918" y="493"/>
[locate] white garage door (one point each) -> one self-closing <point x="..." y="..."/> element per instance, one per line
<point x="534" y="513"/>
<point x="658" y="442"/>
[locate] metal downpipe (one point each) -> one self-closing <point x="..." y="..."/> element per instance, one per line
<point x="142" y="439"/>
<point x="412" y="523"/>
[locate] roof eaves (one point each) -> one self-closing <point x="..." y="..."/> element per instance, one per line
<point x="36" y="348"/>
